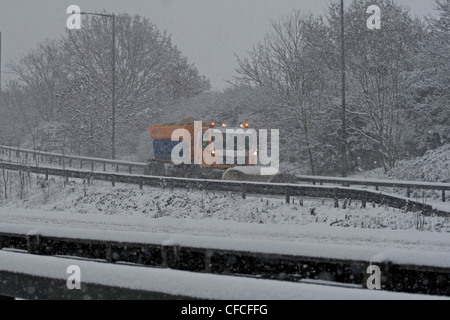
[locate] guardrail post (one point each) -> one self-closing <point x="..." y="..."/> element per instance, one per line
<point x="46" y="174"/>
<point x="70" y="163"/>
<point x="443" y="195"/>
<point x="81" y="164"/>
<point x="60" y="161"/>
<point x="33" y="244"/>
<point x="208" y="256"/>
<point x="244" y="192"/>
<point x="377" y="188"/>
<point x="288" y="199"/>
<point x="92" y="165"/>
<point x="131" y="169"/>
<point x="109" y="254"/>
<point x="104" y="166"/>
<point x="117" y="168"/>
<point x="171" y="256"/>
<point x="408" y="192"/>
<point x="113" y="181"/>
<point x="387" y="271"/>
<point x="141" y="185"/>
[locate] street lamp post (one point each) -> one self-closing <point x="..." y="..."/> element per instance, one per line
<point x="343" y="76"/>
<point x="113" y="90"/>
<point x="0" y="65"/>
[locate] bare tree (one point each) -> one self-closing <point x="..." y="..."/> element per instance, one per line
<point x="5" y="179"/>
<point x="42" y="73"/>
<point x="21" y="118"/>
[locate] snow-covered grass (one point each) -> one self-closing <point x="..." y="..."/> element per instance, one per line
<point x="99" y="198"/>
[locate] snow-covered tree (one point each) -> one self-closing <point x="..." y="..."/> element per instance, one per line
<point x="286" y="66"/>
<point x="382" y="70"/>
<point x="85" y="120"/>
<point x="150" y="73"/>
<point x="432" y="109"/>
<point x="70" y="81"/>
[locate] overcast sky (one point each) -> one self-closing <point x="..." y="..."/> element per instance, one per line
<point x="208" y="32"/>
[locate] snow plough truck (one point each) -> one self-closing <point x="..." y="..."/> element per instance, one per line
<point x="206" y="150"/>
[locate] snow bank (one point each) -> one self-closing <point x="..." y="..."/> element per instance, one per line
<point x="434" y="166"/>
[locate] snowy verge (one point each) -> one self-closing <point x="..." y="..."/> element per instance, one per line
<point x="434" y="166"/>
<point x="155" y="203"/>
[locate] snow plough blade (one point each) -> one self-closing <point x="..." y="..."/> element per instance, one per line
<point x="257" y="174"/>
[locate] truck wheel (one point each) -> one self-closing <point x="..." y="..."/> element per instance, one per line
<point x="155" y="168"/>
